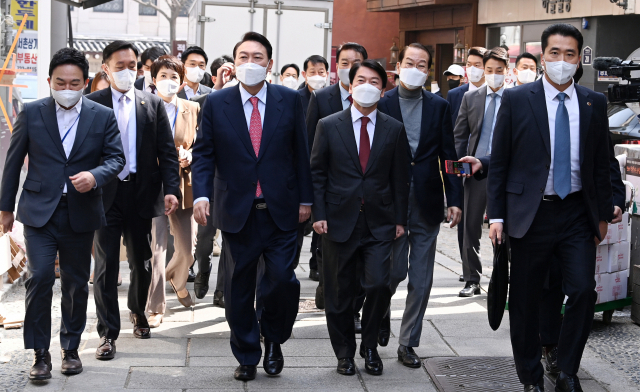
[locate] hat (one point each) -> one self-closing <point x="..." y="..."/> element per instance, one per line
<point x="454" y="69"/>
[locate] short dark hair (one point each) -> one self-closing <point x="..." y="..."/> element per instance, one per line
<point x="351" y="46"/>
<point x="476" y="51"/>
<point x="315" y="59"/>
<point x="170" y="62"/>
<point x="526" y="55"/>
<point x="256" y="37"/>
<point x="417" y="46"/>
<point x="152" y="54"/>
<point x="194" y="50"/>
<point x="70" y="56"/>
<point x="498" y="53"/>
<point x="117" y="46"/>
<point x="139" y="64"/>
<point x="563" y="29"/>
<point x="371" y="64"/>
<point x="284" y="68"/>
<point x="217" y="63"/>
<point x="578" y="75"/>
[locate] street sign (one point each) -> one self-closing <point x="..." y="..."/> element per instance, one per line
<point x="587" y="55"/>
<point x="19" y="8"/>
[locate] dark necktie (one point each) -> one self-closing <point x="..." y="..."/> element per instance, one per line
<point x="484" y="144"/>
<point x="365" y="145"/>
<point x="153" y="89"/>
<point x="350" y="99"/>
<point x="562" y="151"/>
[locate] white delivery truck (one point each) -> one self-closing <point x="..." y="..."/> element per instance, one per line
<point x="296" y="29"/>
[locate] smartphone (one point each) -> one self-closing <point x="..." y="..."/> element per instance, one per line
<point x="455" y="167"/>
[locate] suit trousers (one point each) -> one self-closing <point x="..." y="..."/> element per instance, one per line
<point x="184" y="230"/>
<point x="313" y="261"/>
<point x="551" y="299"/>
<point x="414" y="254"/>
<point x="280" y="288"/>
<point x="342" y="283"/>
<point x="204" y="244"/>
<point x="157" y="301"/>
<point x="225" y="264"/>
<point x="475" y="205"/>
<point x="560" y="233"/>
<point x="123" y="221"/>
<point x="74" y="250"/>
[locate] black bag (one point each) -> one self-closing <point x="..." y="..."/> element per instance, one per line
<point x="499" y="285"/>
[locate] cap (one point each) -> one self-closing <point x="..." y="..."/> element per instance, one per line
<point x="454" y="69"/>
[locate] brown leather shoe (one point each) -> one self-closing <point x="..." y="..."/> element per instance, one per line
<point x="107" y="349"/>
<point x="41" y="368"/>
<point x="71" y="363"/>
<point x="141" y="328"/>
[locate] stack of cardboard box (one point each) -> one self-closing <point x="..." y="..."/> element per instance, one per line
<point x="612" y="262"/>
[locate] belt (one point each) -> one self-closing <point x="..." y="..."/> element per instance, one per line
<point x="260" y="204"/>
<point x="129" y="177"/>
<point x="570" y="196"/>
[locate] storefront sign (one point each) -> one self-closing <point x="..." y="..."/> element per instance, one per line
<point x="603" y="76"/>
<point x="20" y="8"/>
<point x="553" y="6"/>
<point x="27" y="52"/>
<point x="178" y="48"/>
<point x="632" y="174"/>
<point x="587" y="56"/>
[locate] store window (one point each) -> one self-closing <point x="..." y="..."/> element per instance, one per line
<point x="111" y="6"/>
<point x="146" y="10"/>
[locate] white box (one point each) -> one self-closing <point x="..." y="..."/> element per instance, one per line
<point x="618" y="259"/>
<point x="623" y="227"/>
<point x="618" y="285"/>
<point x="602" y="288"/>
<point x="602" y="258"/>
<point x="612" y="235"/>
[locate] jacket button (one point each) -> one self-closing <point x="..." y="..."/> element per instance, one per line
<point x="253" y="183"/>
<point x="541" y="190"/>
<point x="62" y="186"/>
<point x="66" y="164"/>
<point x="413" y="163"/>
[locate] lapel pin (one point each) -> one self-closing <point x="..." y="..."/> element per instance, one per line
<point x="142" y="103"/>
<point x="588" y="103"/>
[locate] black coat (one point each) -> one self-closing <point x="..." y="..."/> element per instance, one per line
<point x="322" y="103"/>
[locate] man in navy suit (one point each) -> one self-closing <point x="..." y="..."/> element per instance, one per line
<point x="427" y="122"/>
<point x="253" y="151"/>
<point x="549" y="188"/>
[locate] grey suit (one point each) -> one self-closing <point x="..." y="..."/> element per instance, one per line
<point x="467" y="134"/>
<point x="204" y="90"/>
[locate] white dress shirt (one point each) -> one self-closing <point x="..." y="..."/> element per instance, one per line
<point x="131" y="129"/>
<point x="172" y="112"/>
<point x="344" y="95"/>
<point x="356" y="118"/>
<point x="188" y="91"/>
<point x="495" y="114"/>
<point x="68" y="121"/>
<point x="472" y="87"/>
<point x="573" y="108"/>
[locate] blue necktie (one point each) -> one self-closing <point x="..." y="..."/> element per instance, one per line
<point x="562" y="153"/>
<point x="484" y="145"/>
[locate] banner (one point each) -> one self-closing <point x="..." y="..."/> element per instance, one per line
<point x="19" y="8"/>
<point x="27" y="52"/>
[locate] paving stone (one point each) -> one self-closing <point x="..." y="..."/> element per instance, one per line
<point x="289" y="362"/>
<point x="310" y="329"/>
<point x="461" y="327"/>
<point x="95" y="377"/>
<point x="218" y="329"/>
<point x="156" y="351"/>
<point x="202" y="347"/>
<point x="480" y="347"/>
<point x="161" y="378"/>
<point x="322" y="379"/>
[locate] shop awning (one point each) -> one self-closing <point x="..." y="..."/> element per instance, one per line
<point x="92" y="45"/>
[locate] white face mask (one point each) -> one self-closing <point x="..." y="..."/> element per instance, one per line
<point x="124" y="79"/>
<point x="366" y="95"/>
<point x="317" y="82"/>
<point x="66" y="98"/>
<point x="290" y="82"/>
<point x="167" y="87"/>
<point x="195" y="74"/>
<point x="412" y="78"/>
<point x="251" y="74"/>
<point x="148" y="80"/>
<point x="560" y="72"/>
<point x="343" y="75"/>
<point x="494" y="81"/>
<point x="474" y="74"/>
<point x="526" y="76"/>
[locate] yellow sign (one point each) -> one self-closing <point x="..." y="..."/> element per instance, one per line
<point x="20" y="8"/>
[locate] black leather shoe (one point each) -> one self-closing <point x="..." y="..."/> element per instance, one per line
<point x="107" y="349"/>
<point x="535" y="388"/>
<point x="461" y="278"/>
<point x="141" y="328"/>
<point x="320" y="297"/>
<point x="470" y="289"/>
<point x="71" y="363"/>
<point x="385" y="330"/>
<point x="314" y="275"/>
<point x="372" y="361"/>
<point x="408" y="357"/>
<point x="201" y="284"/>
<point x="273" y="359"/>
<point x="551" y="360"/>
<point x="567" y="383"/>
<point x="41" y="367"/>
<point x="245" y="372"/>
<point x="192" y="275"/>
<point x="218" y="298"/>
<point x="357" y="323"/>
<point x="346" y="366"/>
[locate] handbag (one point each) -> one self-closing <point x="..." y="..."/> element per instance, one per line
<point x="498" y="285"/>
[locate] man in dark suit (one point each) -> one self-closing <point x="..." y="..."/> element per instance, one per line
<point x="148" y="57"/>
<point x="323" y="103"/>
<point x="360" y="178"/>
<point x="195" y="63"/>
<point x="252" y="152"/>
<point x="146" y="188"/>
<point x="427" y="122"/>
<point x="549" y="188"/>
<point x="74" y="149"/>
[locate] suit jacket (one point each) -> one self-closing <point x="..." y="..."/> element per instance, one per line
<point x="204" y="90"/>
<point x="305" y="94"/>
<point x="436" y="146"/>
<point x="339" y="183"/>
<point x="139" y="84"/>
<point x="97" y="149"/>
<point x="224" y="160"/>
<point x="323" y="103"/>
<point x="454" y="97"/>
<point x="521" y="157"/>
<point x="157" y="161"/>
<point x="185" y="135"/>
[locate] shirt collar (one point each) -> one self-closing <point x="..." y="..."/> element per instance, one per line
<point x="262" y="94"/>
<point x="552" y="92"/>
<point x="76" y="107"/>
<point x="472" y="87"/>
<point x="130" y="94"/>
<point x="344" y="94"/>
<point x="186" y="87"/>
<point x="174" y="101"/>
<point x="356" y="115"/>
<point x="499" y="92"/>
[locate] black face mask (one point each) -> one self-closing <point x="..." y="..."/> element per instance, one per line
<point x="453" y="83"/>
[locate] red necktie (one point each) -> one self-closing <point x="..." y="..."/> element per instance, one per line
<point x="255" y="132"/>
<point x="365" y="146"/>
<point x="350" y="99"/>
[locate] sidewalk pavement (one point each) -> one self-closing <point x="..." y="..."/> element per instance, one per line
<point x="191" y="351"/>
